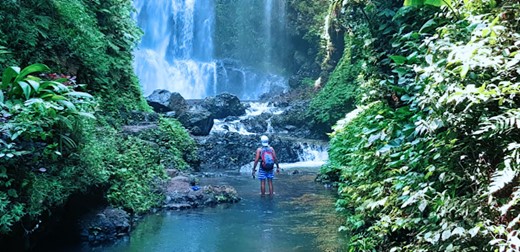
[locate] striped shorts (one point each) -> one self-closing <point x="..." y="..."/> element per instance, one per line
<point x="265" y="174"/>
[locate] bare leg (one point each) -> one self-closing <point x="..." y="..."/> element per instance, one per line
<point x="262" y="186"/>
<point x="271" y="189"/>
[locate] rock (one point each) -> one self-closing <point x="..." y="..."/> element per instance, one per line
<point x="181" y="195"/>
<point x="140" y="117"/>
<point x="104" y="225"/>
<point x="159" y="100"/>
<point x="136" y="129"/>
<point x="230" y="150"/>
<point x="197" y="120"/>
<point x="224" y="105"/>
<point x="172" y="172"/>
<point x="295" y="121"/>
<point x="291" y="127"/>
<point x="177" y="206"/>
<point x="177" y="103"/>
<point x="257" y="124"/>
<point x="163" y="101"/>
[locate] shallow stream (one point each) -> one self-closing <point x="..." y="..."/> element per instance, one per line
<point x="299" y="217"/>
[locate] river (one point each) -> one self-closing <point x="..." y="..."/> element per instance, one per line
<point x="299" y="217"/>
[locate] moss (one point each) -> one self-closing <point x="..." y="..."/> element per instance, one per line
<point x="339" y="94"/>
<point x="176" y="147"/>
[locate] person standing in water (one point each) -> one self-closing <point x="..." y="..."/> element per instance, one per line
<point x="267" y="156"/>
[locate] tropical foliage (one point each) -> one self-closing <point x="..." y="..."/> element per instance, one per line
<point x="39" y="120"/>
<point x="431" y="163"/>
<point x="59" y="138"/>
<point x="90" y="39"/>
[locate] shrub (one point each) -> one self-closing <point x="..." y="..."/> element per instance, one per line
<point x="435" y="166"/>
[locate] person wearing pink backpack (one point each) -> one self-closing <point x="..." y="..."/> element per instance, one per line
<point x="267" y="157"/>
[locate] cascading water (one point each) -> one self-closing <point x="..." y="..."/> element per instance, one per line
<point x="185" y="50"/>
<point x="311" y="153"/>
<point x="176" y="51"/>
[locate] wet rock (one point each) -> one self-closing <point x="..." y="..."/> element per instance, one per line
<point x="104" y="225"/>
<point x="197" y="120"/>
<point x="257" y="124"/>
<point x="181" y="194"/>
<point x="224" y="105"/>
<point x="231" y="150"/>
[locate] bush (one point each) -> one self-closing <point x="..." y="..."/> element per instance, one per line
<point x="176" y="147"/>
<point x="433" y="166"/>
<point x="41" y="124"/>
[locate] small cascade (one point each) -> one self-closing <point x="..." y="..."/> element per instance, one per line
<point x="312" y="152"/>
<point x="305" y="153"/>
<point x="238" y="124"/>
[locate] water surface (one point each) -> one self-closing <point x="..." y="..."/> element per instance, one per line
<point x="299" y="217"/>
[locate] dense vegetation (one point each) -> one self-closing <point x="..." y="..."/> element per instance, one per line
<point x="60" y="138"/>
<point x="429" y="159"/>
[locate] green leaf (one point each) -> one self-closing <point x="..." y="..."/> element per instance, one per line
<point x="34" y="84"/>
<point x="25" y="88"/>
<point x="413" y="2"/>
<point x="437" y="3"/>
<point x="428" y="25"/>
<point x="79" y="94"/>
<point x="34" y="68"/>
<point x="12" y="193"/>
<point x="87" y="115"/>
<point x="8" y="76"/>
<point x="16" y="135"/>
<point x="67" y="104"/>
<point x="1" y="97"/>
<point x="399" y="60"/>
<point x="464" y="71"/>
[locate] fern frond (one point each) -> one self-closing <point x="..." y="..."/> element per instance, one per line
<point x="499" y="124"/>
<point x="500" y="179"/>
<point x="67" y="141"/>
<point x="515" y="198"/>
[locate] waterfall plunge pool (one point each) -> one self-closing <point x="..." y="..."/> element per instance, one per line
<point x="299" y="217"/>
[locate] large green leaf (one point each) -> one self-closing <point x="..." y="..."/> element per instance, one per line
<point x="399" y="60"/>
<point x="437" y="3"/>
<point x="9" y="74"/>
<point x="34" y="68"/>
<point x="79" y="94"/>
<point x="26" y="88"/>
<point x="35" y="85"/>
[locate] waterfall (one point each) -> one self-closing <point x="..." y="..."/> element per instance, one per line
<point x="184" y="50"/>
<point x="176" y="51"/>
<point x="267" y="22"/>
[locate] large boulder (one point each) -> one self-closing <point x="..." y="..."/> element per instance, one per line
<point x="104" y="225"/>
<point x="230" y="150"/>
<point x="197" y="120"/>
<point x="164" y="101"/>
<point x="224" y="105"/>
